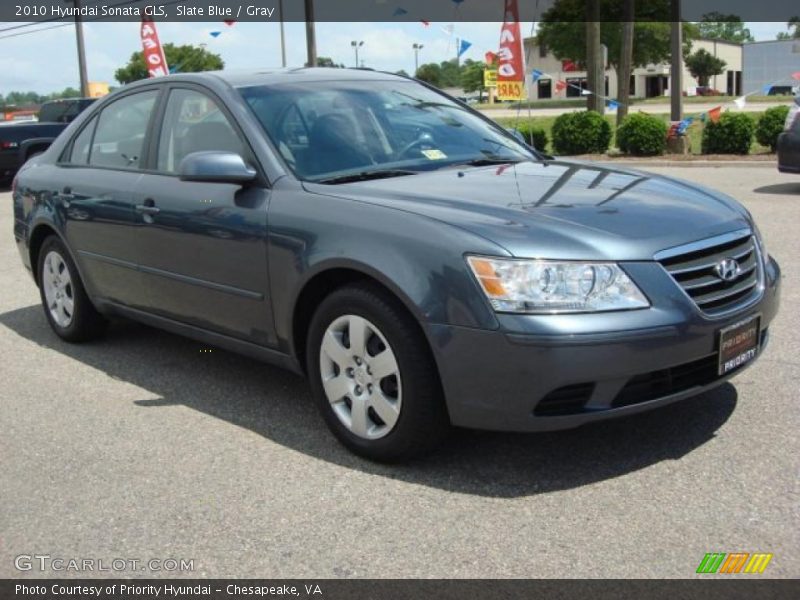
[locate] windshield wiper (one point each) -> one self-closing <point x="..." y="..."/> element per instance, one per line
<point x="366" y="176"/>
<point x="487" y="161"/>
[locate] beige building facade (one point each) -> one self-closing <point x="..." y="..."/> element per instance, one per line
<point x="646" y="82"/>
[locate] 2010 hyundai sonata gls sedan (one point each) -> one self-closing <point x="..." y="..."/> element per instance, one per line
<point x="421" y="266"/>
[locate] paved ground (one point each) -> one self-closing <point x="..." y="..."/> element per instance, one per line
<point x="142" y="447"/>
<point x="688" y="109"/>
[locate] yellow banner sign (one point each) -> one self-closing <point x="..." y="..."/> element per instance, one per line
<point x="511" y="90"/>
<point x="490" y="78"/>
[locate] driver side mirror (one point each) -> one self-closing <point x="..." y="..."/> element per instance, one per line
<point x="216" y="167"/>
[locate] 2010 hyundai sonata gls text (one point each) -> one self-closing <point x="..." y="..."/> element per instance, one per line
<point x="415" y="261"/>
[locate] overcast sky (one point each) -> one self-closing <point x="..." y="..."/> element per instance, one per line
<point x="45" y="61"/>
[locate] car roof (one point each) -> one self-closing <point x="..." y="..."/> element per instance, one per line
<point x="247" y="78"/>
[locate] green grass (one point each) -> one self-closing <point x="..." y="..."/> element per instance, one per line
<point x="695" y="131"/>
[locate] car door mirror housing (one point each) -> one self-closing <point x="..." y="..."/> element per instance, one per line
<point x="216" y="167"/>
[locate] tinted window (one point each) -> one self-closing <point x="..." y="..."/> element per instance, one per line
<point x="193" y="122"/>
<point x="82" y="144"/>
<point x="119" y="139"/>
<point x="329" y="128"/>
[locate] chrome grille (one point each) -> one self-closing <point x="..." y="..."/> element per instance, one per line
<point x="694" y="268"/>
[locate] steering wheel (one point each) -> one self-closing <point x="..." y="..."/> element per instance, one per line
<point x="424" y="138"/>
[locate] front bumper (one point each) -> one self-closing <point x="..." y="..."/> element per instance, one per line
<point x="510" y="381"/>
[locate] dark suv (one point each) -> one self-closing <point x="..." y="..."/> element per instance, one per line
<point x="414" y="260"/>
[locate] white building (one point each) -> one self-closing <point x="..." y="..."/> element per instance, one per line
<point x="646" y="82"/>
<point x="766" y="63"/>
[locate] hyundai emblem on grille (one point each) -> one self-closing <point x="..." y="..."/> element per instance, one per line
<point x="727" y="269"/>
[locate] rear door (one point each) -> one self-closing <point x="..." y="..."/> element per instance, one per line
<point x="203" y="245"/>
<point x="95" y="196"/>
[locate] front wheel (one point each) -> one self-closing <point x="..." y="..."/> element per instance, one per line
<point x="67" y="307"/>
<point x="373" y="375"/>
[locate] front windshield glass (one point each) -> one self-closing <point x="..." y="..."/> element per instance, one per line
<point x="329" y="130"/>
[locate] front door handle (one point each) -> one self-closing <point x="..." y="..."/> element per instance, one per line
<point x="148" y="210"/>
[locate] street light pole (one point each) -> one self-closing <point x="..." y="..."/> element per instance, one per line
<point x="356" y="45"/>
<point x="311" y="36"/>
<point x="283" y="38"/>
<point x="84" y="77"/>
<point x="417" y="48"/>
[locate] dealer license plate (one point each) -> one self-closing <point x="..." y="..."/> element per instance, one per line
<point x="739" y="344"/>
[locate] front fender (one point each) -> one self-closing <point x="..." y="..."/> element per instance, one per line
<point x="419" y="259"/>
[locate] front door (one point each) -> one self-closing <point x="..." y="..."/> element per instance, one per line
<point x="203" y="246"/>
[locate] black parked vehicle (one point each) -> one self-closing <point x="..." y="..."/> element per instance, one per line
<point x="22" y="140"/>
<point x="414" y="260"/>
<point x="789" y="141"/>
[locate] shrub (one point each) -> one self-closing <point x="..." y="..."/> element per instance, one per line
<point x="770" y="126"/>
<point x="642" y="135"/>
<point x="581" y="133"/>
<point x="732" y="134"/>
<point x="535" y="136"/>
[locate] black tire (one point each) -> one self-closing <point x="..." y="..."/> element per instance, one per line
<point x="86" y="323"/>
<point x="423" y="422"/>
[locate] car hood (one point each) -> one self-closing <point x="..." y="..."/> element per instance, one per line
<point x="559" y="209"/>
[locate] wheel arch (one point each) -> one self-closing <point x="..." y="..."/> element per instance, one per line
<point x="333" y="276"/>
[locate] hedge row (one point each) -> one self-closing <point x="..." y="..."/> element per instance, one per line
<point x="646" y="135"/>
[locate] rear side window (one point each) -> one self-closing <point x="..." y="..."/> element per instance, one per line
<point x="193" y="122"/>
<point x="82" y="144"/>
<point x="121" y="130"/>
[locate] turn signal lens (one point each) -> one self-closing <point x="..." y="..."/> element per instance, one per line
<point x="541" y="286"/>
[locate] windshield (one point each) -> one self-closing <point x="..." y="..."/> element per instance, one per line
<point x="328" y="131"/>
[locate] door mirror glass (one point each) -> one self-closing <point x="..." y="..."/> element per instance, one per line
<point x="215" y="167"/>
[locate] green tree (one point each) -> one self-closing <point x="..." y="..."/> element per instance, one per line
<point x="793" y="25"/>
<point x="69" y="92"/>
<point x="430" y="73"/>
<point x="703" y="65"/>
<point x="730" y="28"/>
<point x="563" y="31"/>
<point x="186" y="58"/>
<point x="401" y="72"/>
<point x="325" y="61"/>
<point x="15" y="98"/>
<point x="472" y="77"/>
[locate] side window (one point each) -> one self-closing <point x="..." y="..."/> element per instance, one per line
<point x="193" y="122"/>
<point x="121" y="130"/>
<point x="82" y="144"/>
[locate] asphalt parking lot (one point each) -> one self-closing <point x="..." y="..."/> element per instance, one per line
<point x="142" y="447"/>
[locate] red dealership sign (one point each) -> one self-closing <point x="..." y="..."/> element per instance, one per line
<point x="511" y="64"/>
<point x="154" y="58"/>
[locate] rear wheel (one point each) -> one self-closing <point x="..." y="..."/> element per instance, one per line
<point x="373" y="375"/>
<point x="66" y="305"/>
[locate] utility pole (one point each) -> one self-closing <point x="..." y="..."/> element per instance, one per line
<point x="84" y="77"/>
<point x="417" y="48"/>
<point x="625" y="61"/>
<point x="676" y="70"/>
<point x="311" y="36"/>
<point x="595" y="69"/>
<point x="283" y="38"/>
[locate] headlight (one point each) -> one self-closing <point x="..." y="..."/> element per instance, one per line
<point x="543" y="286"/>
